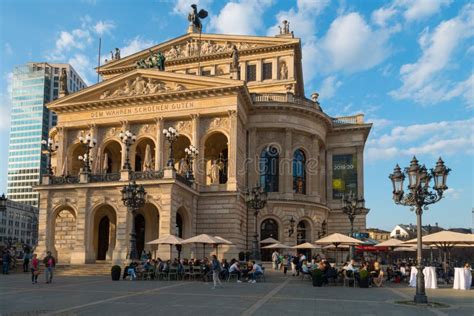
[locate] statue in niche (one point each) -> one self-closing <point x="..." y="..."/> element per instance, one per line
<point x="63" y="83"/>
<point x="214" y="172"/>
<point x="283" y="71"/>
<point x="183" y="167"/>
<point x="235" y="58"/>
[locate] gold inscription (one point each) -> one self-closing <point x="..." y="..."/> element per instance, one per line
<point x="142" y="109"/>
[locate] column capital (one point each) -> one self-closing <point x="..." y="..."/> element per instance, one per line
<point x="232" y="113"/>
<point x="194" y="116"/>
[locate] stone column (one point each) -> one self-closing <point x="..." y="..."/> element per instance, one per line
<point x="159" y="144"/>
<point x="195" y="142"/>
<point x="252" y="164"/>
<point x="259" y="71"/>
<point x="62" y="150"/>
<point x="291" y="67"/>
<point x="360" y="171"/>
<point x="94" y="151"/>
<point x="275" y="68"/>
<point x="122" y="242"/>
<point x="243" y="70"/>
<point x="286" y="164"/>
<point x="232" y="151"/>
<point x="125" y="127"/>
<point x="44" y="224"/>
<point x="79" y="255"/>
<point x="315" y="169"/>
<point x="323" y="191"/>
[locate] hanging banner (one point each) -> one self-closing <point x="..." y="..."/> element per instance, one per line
<point x="344" y="175"/>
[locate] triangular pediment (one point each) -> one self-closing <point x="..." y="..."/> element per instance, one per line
<point x="191" y="46"/>
<point x="142" y="83"/>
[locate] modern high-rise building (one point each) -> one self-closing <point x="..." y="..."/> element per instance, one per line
<point x="34" y="85"/>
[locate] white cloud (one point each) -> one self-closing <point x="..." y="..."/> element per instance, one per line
<point x="329" y="87"/>
<point x="135" y="45"/>
<point x="382" y="15"/>
<point x="67" y="41"/>
<point x="351" y="45"/>
<point x="421" y="9"/>
<point x="103" y="27"/>
<point x="83" y="65"/>
<point x="453" y="194"/>
<point x="183" y="7"/>
<point x="244" y="17"/>
<point x="422" y="80"/>
<point x="434" y="139"/>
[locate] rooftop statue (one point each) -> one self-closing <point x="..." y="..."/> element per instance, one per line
<point x="195" y="17"/>
<point x="63" y="83"/>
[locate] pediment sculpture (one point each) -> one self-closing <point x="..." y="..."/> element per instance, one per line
<point x="140" y="86"/>
<point x="191" y="48"/>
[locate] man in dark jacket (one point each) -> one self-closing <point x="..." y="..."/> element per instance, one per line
<point x="49" y="263"/>
<point x="6" y="262"/>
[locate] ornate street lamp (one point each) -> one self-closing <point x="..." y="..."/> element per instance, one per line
<point x="352" y="206"/>
<point x="133" y="197"/>
<point x="127" y="138"/>
<point x="291" y="230"/>
<point x="50" y="147"/>
<point x="418" y="197"/>
<point x="88" y="142"/>
<point x="171" y="135"/>
<point x="3" y="203"/>
<point x="256" y="199"/>
<point x="191" y="154"/>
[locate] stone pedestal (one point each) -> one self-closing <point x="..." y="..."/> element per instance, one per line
<point x="169" y="173"/>
<point x="83" y="177"/>
<point x="124" y="175"/>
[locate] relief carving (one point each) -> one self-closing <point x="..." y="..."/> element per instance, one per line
<point x="191" y="48"/>
<point x="140" y="86"/>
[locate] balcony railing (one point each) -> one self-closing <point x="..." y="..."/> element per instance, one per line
<point x="284" y="98"/>
<point x="353" y="119"/>
<point x="146" y="175"/>
<point x="106" y="177"/>
<point x="64" y="180"/>
<point x="183" y="179"/>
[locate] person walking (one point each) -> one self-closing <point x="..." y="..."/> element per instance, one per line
<point x="6" y="262"/>
<point x="216" y="269"/>
<point x="275" y="260"/>
<point x="49" y="262"/>
<point x="34" y="269"/>
<point x="26" y="261"/>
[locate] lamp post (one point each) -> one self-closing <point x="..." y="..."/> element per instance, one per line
<point x="3" y="203"/>
<point x="88" y="142"/>
<point x="291" y="230"/>
<point x="127" y="138"/>
<point x="418" y="197"/>
<point x="50" y="147"/>
<point x="191" y="154"/>
<point x="133" y="197"/>
<point x="256" y="199"/>
<point x="352" y="206"/>
<point x="171" y="135"/>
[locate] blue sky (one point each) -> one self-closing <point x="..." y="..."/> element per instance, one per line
<point x="406" y="64"/>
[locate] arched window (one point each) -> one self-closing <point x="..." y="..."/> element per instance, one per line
<point x="269" y="169"/>
<point x="301" y="233"/>
<point x="299" y="172"/>
<point x="269" y="228"/>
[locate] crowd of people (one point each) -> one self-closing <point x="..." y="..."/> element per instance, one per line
<point x="205" y="269"/>
<point x="30" y="263"/>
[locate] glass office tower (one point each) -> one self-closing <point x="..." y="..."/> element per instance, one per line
<point x="34" y="85"/>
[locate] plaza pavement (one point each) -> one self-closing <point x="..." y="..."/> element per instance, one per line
<point x="279" y="295"/>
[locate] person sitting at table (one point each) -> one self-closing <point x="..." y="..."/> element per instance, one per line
<point x="255" y="272"/>
<point x="224" y="274"/>
<point x="377" y="275"/>
<point x="235" y="269"/>
<point x="132" y="271"/>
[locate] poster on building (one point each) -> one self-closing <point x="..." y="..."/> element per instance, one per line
<point x="344" y="175"/>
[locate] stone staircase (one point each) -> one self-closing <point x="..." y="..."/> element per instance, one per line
<point x="93" y="269"/>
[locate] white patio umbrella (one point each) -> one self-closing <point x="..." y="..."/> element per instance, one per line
<point x="269" y="240"/>
<point x="167" y="240"/>
<point x="445" y="240"/>
<point x="276" y="246"/>
<point x="147" y="164"/>
<point x="223" y="241"/>
<point x="306" y="245"/>
<point x="202" y="239"/>
<point x="392" y="242"/>
<point x="337" y="240"/>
